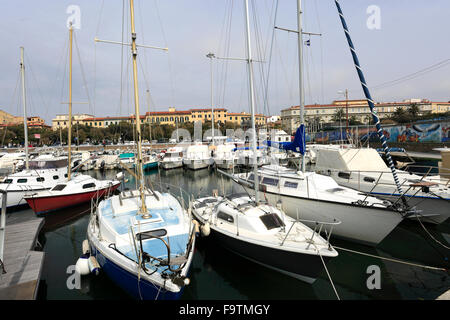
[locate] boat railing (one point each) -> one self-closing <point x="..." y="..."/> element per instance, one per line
<point x="319" y="227"/>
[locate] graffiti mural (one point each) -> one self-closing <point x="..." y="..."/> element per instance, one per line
<point x="414" y="132"/>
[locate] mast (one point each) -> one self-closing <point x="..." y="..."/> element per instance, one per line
<point x="24" y="101"/>
<point x="140" y="172"/>
<point x="252" y="101"/>
<point x="69" y="130"/>
<point x="149" y="123"/>
<point x="300" y="73"/>
<point x="370" y="101"/>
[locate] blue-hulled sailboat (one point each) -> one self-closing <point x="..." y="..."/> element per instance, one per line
<point x="142" y="239"/>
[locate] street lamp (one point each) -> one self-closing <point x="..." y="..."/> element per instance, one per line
<point x="346" y="102"/>
<point x="211" y="56"/>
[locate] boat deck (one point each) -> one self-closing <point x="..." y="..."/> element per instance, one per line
<point x="23" y="265"/>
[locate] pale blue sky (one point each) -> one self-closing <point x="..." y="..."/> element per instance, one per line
<point x="413" y="36"/>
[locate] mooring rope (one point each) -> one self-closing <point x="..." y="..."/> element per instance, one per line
<point x="431" y="236"/>
<point x="392" y="260"/>
<point x="369" y="99"/>
<point x="328" y="274"/>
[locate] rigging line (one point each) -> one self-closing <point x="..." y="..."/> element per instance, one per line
<point x="82" y="73"/>
<point x="321" y="52"/>
<point x="270" y="60"/>
<point x="35" y="80"/>
<point x="411" y="76"/>
<point x="95" y="54"/>
<point x="226" y="53"/>
<point x="15" y="89"/>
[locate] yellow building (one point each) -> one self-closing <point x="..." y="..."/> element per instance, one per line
<point x="62" y="120"/>
<point x="9" y="119"/>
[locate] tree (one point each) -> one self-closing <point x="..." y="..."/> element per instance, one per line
<point x="413" y="110"/>
<point x="400" y="115"/>
<point x="339" y="115"/>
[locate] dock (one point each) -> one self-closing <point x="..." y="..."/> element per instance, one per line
<point x="22" y="264"/>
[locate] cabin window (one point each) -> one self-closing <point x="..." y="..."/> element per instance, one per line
<point x="21" y="180"/>
<point x="270" y="181"/>
<point x="40" y="179"/>
<point x="55" y="177"/>
<point x="271" y="221"/>
<point x="7" y="181"/>
<point x="59" y="187"/>
<point x="226" y="217"/>
<point x="65" y="175"/>
<point x="89" y="185"/>
<point x="344" y="175"/>
<point x="252" y="177"/>
<point x="369" y="179"/>
<point x="151" y="234"/>
<point x="290" y="184"/>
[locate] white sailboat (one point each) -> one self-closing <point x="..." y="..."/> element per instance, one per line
<point x="258" y="231"/>
<point x="142" y="239"/>
<point x="317" y="197"/>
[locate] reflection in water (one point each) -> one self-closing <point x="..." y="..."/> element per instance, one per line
<point x="219" y="274"/>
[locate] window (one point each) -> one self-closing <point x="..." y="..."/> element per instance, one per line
<point x="55" y="177"/>
<point x="40" y="179"/>
<point x="7" y="181"/>
<point x="226" y="217"/>
<point x="270" y="181"/>
<point x="271" y="221"/>
<point x="59" y="187"/>
<point x="290" y="184"/>
<point x="89" y="185"/>
<point x="344" y="175"/>
<point x="65" y="175"/>
<point x="369" y="179"/>
<point x="21" y="180"/>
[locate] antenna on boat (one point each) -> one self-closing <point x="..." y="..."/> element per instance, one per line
<point x="24" y="101"/>
<point x="370" y="102"/>
<point x="69" y="138"/>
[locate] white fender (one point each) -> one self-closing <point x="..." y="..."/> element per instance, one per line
<point x="206" y="230"/>
<point x="85" y="247"/>
<point x="82" y="265"/>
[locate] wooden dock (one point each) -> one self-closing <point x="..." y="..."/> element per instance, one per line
<point x="22" y="264"/>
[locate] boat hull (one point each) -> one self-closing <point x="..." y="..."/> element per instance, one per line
<point x="197" y="164"/>
<point x="366" y="225"/>
<point x="41" y="205"/>
<point x="129" y="282"/>
<point x="167" y="165"/>
<point x="305" y="267"/>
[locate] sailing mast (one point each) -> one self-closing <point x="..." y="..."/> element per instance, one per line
<point x="24" y="101"/>
<point x="140" y="171"/>
<point x="300" y="73"/>
<point x="69" y="131"/>
<point x="211" y="56"/>
<point x="252" y="101"/>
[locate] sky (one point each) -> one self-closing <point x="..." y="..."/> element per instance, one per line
<point x="399" y="38"/>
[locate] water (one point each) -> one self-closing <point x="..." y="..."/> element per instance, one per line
<point x="219" y="274"/>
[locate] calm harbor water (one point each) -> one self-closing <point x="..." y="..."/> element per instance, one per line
<point x="219" y="274"/>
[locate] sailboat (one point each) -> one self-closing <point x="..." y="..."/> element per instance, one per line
<point x="40" y="173"/>
<point x="365" y="219"/>
<point x="75" y="189"/>
<point x="142" y="239"/>
<point x="258" y="231"/>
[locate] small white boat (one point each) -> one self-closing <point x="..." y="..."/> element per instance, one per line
<point x="173" y="158"/>
<point x="224" y="156"/>
<point x="197" y="156"/>
<point x="44" y="173"/>
<point x="264" y="234"/>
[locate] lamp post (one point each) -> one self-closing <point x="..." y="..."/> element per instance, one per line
<point x="211" y="56"/>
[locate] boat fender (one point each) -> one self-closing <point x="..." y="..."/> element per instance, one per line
<point x="196" y="226"/>
<point x="94" y="266"/>
<point x="187" y="281"/>
<point x="119" y="176"/>
<point x="82" y="265"/>
<point x="86" y="250"/>
<point x="205" y="229"/>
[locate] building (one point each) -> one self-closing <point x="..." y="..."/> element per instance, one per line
<point x="358" y="109"/>
<point x="170" y="117"/>
<point x="9" y="119"/>
<point x="62" y="120"/>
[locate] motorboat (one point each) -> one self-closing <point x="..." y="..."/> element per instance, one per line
<point x="44" y="173"/>
<point x="173" y="158"/>
<point x="197" y="156"/>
